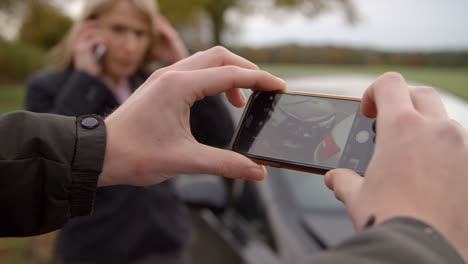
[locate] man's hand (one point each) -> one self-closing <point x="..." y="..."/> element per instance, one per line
<point x="149" y="138"/>
<point x="419" y="165"/>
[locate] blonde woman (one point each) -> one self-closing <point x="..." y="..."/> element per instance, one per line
<point x="102" y="60"/>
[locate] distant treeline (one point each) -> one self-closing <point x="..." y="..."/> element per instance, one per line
<point x="17" y="60"/>
<point x="297" y="54"/>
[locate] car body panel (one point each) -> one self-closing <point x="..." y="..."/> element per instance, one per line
<point x="291" y="215"/>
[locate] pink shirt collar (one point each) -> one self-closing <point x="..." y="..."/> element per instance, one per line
<point x="121" y="91"/>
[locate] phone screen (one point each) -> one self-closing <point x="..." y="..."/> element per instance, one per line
<point x="306" y="131"/>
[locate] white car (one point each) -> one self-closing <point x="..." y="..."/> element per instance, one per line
<point x="288" y="217"/>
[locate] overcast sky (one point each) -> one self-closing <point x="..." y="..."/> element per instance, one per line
<point x="384" y="24"/>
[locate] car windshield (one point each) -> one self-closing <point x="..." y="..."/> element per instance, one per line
<point x="309" y="191"/>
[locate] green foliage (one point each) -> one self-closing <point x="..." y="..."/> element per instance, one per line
<point x="8" y="5"/>
<point x="11" y="99"/>
<point x="43" y="26"/>
<point x="18" y="60"/>
<point x="182" y="12"/>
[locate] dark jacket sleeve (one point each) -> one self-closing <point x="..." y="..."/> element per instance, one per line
<point x="49" y="167"/>
<point x="71" y="93"/>
<point x="400" y="240"/>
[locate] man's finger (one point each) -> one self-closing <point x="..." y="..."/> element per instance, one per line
<point x="236" y="97"/>
<point x="344" y="183"/>
<point x="214" y="57"/>
<point x="387" y="93"/>
<point x="214" y="81"/>
<point x="428" y="102"/>
<point x="209" y="160"/>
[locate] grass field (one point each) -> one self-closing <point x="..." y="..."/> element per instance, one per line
<point x="11" y="97"/>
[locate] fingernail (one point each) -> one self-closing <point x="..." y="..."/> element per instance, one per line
<point x="255" y="174"/>
<point x="328" y="173"/>
<point x="283" y="83"/>
<point x="328" y="180"/>
<point x="281" y="80"/>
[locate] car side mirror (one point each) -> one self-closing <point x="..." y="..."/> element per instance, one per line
<point x="202" y="191"/>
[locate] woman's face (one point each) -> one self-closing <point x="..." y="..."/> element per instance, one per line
<point x="127" y="38"/>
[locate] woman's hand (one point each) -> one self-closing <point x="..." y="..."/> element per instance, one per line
<point x="169" y="47"/>
<point x="87" y="39"/>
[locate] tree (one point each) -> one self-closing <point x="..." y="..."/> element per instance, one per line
<point x="43" y="25"/>
<point x="14" y="12"/>
<point x="183" y="11"/>
<point x="180" y="11"/>
<point x="8" y="4"/>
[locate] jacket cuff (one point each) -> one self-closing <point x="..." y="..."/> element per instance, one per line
<point x="87" y="163"/>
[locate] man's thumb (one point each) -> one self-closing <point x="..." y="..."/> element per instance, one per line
<point x="227" y="164"/>
<point x="345" y="183"/>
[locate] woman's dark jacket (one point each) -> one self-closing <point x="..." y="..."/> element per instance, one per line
<point x="128" y="222"/>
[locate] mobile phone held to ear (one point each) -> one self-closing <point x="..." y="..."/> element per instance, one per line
<point x="308" y="132"/>
<point x="99" y="52"/>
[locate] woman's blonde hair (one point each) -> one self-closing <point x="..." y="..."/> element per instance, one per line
<point x="62" y="55"/>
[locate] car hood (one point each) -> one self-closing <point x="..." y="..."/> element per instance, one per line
<point x="355" y="85"/>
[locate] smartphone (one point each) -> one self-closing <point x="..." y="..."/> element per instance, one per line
<point x="99" y="52"/>
<point x="308" y="132"/>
